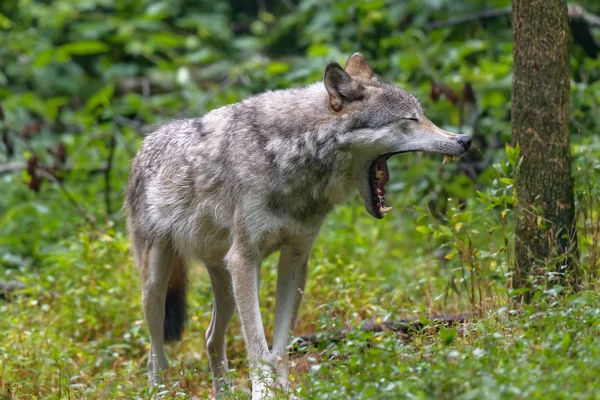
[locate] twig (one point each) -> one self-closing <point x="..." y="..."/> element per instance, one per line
<point x="575" y="13"/>
<point x="132" y="123"/>
<point x="404" y="326"/>
<point x="580" y="127"/>
<point x="261" y="5"/>
<point x="476" y="16"/>
<point x="146" y="91"/>
<point x="291" y="6"/>
<point x="48" y="174"/>
<point x="142" y="130"/>
<point x="12" y="167"/>
<point x="112" y="144"/>
<point x="16" y="166"/>
<point x="581" y="22"/>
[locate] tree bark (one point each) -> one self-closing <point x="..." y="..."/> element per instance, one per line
<point x="545" y="227"/>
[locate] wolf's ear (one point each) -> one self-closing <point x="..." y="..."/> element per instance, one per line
<point x="357" y="66"/>
<point x="341" y="87"/>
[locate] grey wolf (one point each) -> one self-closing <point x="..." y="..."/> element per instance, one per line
<point x="253" y="178"/>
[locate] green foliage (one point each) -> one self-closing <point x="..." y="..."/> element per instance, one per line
<point x="503" y="355"/>
<point x="82" y="81"/>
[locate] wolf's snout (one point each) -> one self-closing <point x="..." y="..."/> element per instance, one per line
<point x="465" y="142"/>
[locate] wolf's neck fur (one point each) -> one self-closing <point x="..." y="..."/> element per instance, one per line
<point x="301" y="141"/>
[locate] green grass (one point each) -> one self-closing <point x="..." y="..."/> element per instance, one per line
<point x="90" y="342"/>
<point x="550" y="351"/>
<point x="77" y="332"/>
<point x="446" y="247"/>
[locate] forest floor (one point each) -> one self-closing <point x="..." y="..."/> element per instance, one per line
<point x="77" y="332"/>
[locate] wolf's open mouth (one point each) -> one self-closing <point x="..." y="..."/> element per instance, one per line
<point x="378" y="177"/>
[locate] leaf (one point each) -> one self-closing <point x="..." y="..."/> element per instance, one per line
<point x="44" y="58"/>
<point x="566" y="341"/>
<point x="165" y="40"/>
<point x="424" y="229"/>
<point x="318" y="50"/>
<point x="444" y="230"/>
<point x="447" y="335"/>
<point x="519" y="291"/>
<point x="276" y="68"/>
<point x="541" y="223"/>
<point x="510" y="153"/>
<point x="5" y="23"/>
<point x="51" y="107"/>
<point x="83" y="47"/>
<point x="102" y="97"/>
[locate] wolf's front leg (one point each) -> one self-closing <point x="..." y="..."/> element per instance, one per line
<point x="244" y="265"/>
<point x="291" y="279"/>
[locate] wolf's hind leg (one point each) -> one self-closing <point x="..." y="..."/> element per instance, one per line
<point x="223" y="309"/>
<point x="156" y="271"/>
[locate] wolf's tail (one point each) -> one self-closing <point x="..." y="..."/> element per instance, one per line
<point x="175" y="304"/>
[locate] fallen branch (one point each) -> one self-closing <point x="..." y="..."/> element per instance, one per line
<point x="10" y="289"/>
<point x="581" y="23"/>
<point x="403" y="326"/>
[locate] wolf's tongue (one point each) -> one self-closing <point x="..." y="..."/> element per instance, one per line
<point x="382" y="165"/>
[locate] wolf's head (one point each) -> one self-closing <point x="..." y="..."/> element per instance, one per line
<point x="382" y="121"/>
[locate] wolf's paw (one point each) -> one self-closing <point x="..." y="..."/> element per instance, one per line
<point x="265" y="382"/>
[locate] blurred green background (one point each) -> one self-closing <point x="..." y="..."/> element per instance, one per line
<point x="81" y="82"/>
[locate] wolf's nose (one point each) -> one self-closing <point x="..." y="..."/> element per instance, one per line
<point x="465" y="141"/>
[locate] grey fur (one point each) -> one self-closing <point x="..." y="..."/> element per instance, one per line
<point x="255" y="177"/>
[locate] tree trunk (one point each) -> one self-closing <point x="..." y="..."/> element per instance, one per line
<point x="545" y="225"/>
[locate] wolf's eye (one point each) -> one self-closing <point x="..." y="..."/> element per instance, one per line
<point x="411" y="119"/>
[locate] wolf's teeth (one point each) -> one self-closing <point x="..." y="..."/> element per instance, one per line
<point x="384" y="210"/>
<point x="378" y="191"/>
<point x="446" y="159"/>
<point x="378" y="174"/>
